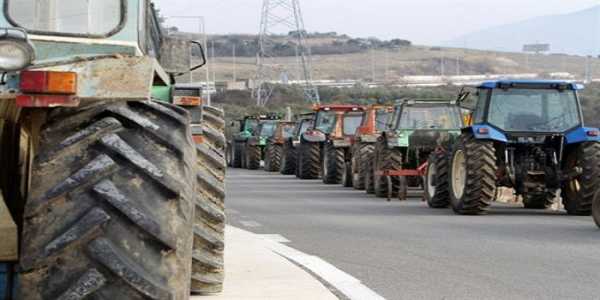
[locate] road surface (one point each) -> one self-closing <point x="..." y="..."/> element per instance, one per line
<point x="404" y="250"/>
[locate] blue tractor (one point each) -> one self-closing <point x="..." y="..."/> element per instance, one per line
<point x="529" y="136"/>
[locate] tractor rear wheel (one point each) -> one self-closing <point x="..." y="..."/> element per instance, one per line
<point x="596" y="208"/>
<point x="253" y="155"/>
<point x="386" y="159"/>
<point x="472" y="176"/>
<point x="111" y="207"/>
<point x="360" y="159"/>
<point x="309" y="160"/>
<point x="288" y="159"/>
<point x="578" y="194"/>
<point x="333" y="164"/>
<point x="273" y="157"/>
<point x="209" y="221"/>
<point x="436" y="182"/>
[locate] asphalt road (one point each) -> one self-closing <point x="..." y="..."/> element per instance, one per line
<point x="404" y="250"/>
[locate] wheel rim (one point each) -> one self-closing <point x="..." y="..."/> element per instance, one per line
<point x="431" y="174"/>
<point x="459" y="174"/>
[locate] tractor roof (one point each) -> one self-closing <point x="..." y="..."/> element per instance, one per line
<point x="532" y="84"/>
<point x="338" y="107"/>
<point x="425" y="102"/>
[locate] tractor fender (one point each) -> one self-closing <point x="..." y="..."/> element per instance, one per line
<point x="368" y="138"/>
<point x="314" y="136"/>
<point x="583" y="134"/>
<point x="486" y="132"/>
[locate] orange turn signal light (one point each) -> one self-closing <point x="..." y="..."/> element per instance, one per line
<point x="49" y="82"/>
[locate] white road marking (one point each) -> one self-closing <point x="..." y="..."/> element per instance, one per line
<point x="251" y="224"/>
<point x="275" y="238"/>
<point x="348" y="285"/>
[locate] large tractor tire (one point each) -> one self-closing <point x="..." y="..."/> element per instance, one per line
<point x="111" y="207"/>
<point x="236" y="154"/>
<point x="436" y="183"/>
<point x="360" y="161"/>
<point x="309" y="160"/>
<point x="578" y="194"/>
<point x="472" y="176"/>
<point x="253" y="156"/>
<point x="596" y="208"/>
<point x="386" y="159"/>
<point x="333" y="164"/>
<point x="273" y="157"/>
<point x="288" y="160"/>
<point x="369" y="178"/>
<point x="541" y="200"/>
<point x="209" y="221"/>
<point x="347" y="175"/>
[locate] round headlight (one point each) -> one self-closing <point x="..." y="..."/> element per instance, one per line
<point x="15" y="55"/>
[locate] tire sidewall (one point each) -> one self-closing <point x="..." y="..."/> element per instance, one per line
<point x="457" y="203"/>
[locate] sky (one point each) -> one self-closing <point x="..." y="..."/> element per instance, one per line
<point x="426" y="22"/>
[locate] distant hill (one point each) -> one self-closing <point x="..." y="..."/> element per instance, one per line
<point x="326" y="43"/>
<point x="574" y="33"/>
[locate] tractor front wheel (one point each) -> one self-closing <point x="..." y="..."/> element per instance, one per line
<point x="333" y="164"/>
<point x="309" y="160"/>
<point x="253" y="155"/>
<point x="472" y="176"/>
<point x="288" y="159"/>
<point x="578" y="193"/>
<point x="386" y="159"/>
<point x="273" y="157"/>
<point x="436" y="182"/>
<point x="360" y="161"/>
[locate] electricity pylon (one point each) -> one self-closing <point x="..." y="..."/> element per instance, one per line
<point x="284" y="17"/>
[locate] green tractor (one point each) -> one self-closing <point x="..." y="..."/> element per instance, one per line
<point x="247" y="148"/>
<point x="111" y="186"/>
<point x="419" y="134"/>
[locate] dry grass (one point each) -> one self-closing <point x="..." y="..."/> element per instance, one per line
<point x="414" y="61"/>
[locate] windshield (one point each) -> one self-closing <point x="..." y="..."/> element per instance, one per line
<point x="81" y="17"/>
<point x="524" y="110"/>
<point x="304" y="126"/>
<point x="351" y="122"/>
<point x="381" y="119"/>
<point x="268" y="129"/>
<point x="250" y="125"/>
<point x="288" y="130"/>
<point x="326" y="121"/>
<point x="430" y="117"/>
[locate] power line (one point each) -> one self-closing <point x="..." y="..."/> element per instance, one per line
<point x="278" y="15"/>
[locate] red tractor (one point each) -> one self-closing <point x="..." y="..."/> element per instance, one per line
<point x="324" y="148"/>
<point x="374" y="122"/>
<point x="275" y="144"/>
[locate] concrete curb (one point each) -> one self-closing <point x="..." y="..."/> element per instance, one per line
<point x="253" y="270"/>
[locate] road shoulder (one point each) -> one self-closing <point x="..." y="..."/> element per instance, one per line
<point x="254" y="271"/>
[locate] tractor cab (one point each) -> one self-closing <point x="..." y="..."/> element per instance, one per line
<point x="423" y="123"/>
<point x="61" y="52"/>
<point x="335" y="121"/>
<point x="529" y="136"/>
<point x="513" y="110"/>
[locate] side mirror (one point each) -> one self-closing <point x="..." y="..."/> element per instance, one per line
<point x="465" y="100"/>
<point x="176" y="55"/>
